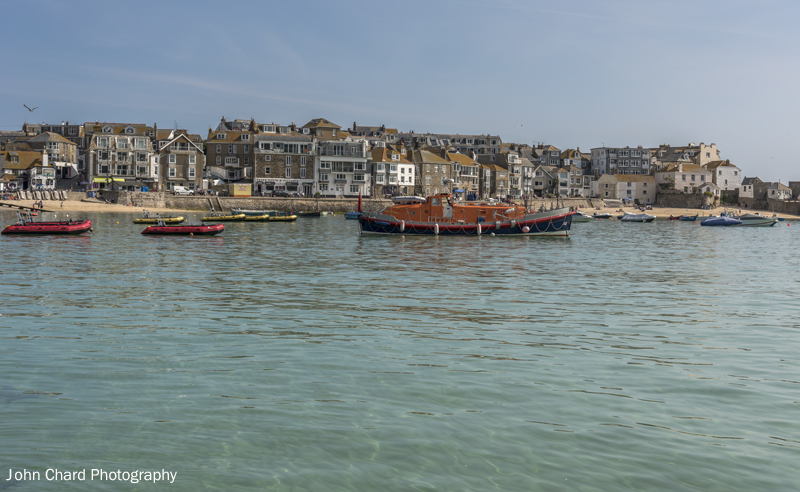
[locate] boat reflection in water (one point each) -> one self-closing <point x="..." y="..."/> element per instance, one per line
<point x="441" y="215"/>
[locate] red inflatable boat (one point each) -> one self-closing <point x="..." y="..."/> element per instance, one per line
<point x="65" y="227"/>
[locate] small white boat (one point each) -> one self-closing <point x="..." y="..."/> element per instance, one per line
<point x="757" y="220"/>
<point x="629" y="217"/>
<point x="603" y="215"/>
<point x="407" y="200"/>
<point x="579" y="216"/>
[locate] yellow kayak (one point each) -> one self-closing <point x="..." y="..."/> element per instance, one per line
<point x="230" y="218"/>
<point x="154" y="220"/>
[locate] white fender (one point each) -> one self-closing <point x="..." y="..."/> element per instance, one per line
<point x="402" y="225"/>
<point x="497" y="225"/>
<point x="513" y="223"/>
<point x="436" y="229"/>
<point x="526" y="229"/>
<point x="479" y="229"/>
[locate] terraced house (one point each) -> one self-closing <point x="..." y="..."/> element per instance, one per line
<point x="25" y="170"/>
<point x="230" y="151"/>
<point x="432" y="172"/>
<point x="466" y="174"/>
<point x="393" y="174"/>
<point x="342" y="168"/>
<point x="284" y="161"/>
<point x="119" y="156"/>
<point x="62" y="154"/>
<point x="180" y="161"/>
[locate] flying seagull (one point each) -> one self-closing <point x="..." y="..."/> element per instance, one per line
<point x="29" y="109"/>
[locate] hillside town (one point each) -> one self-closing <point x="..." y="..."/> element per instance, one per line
<point x="323" y="159"/>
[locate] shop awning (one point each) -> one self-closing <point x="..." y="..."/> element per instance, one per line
<point x="108" y="180"/>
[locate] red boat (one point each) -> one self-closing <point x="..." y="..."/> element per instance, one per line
<point x="186" y="230"/>
<point x="64" y="227"/>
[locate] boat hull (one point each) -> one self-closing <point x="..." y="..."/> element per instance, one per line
<point x="67" y="227"/>
<point x="721" y="222"/>
<point x="154" y="220"/>
<point x="687" y="218"/>
<point x="352" y="215"/>
<point x="554" y="223"/>
<point x="227" y="218"/>
<point x="198" y="230"/>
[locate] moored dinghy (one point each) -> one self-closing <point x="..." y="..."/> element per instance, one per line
<point x="25" y="225"/>
<point x="720" y="221"/>
<point x="629" y="217"/>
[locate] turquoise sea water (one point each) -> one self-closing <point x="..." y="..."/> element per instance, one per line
<point x="301" y="356"/>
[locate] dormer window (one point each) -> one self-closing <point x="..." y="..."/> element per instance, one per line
<point x="107" y="129"/>
<point x="335" y="132"/>
<point x="246" y="136"/>
<point x="220" y="136"/>
<point x="395" y="157"/>
<point x="129" y="129"/>
<point x="306" y="131"/>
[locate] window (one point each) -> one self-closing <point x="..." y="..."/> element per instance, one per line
<point x="702" y="177"/>
<point x="122" y="143"/>
<point x="129" y="130"/>
<point x="683" y="177"/>
<point x="288" y="172"/>
<point x="219" y="160"/>
<point x="141" y="143"/>
<point x="103" y="169"/>
<point x="393" y="168"/>
<point x="692" y="177"/>
<point x="644" y="192"/>
<point x="302" y="173"/>
<point x="220" y="136"/>
<point x="191" y="172"/>
<point x="341" y="177"/>
<point x="325" y="165"/>
<point x="122" y="156"/>
<point x="427" y="180"/>
<point x="219" y="148"/>
<point x="266" y="171"/>
<point x="230" y="148"/>
<point x="360" y="166"/>
<point x="323" y="187"/>
<point x="192" y="159"/>
<point x="245" y="137"/>
<point x="358" y="177"/>
<point x="231" y="161"/>
<point x="379" y="167"/>
<point x="172" y="159"/>
<point x="267" y="157"/>
<point x="288" y="160"/>
<point x="338" y="150"/>
<point x="246" y="160"/>
<point x="302" y="160"/>
<point x="323" y="177"/>
<point x="141" y="157"/>
<point x="606" y="185"/>
<point x="246" y="149"/>
<point x="379" y="179"/>
<point x="172" y="172"/>
<point x="354" y="189"/>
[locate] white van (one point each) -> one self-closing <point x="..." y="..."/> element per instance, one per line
<point x="181" y="190"/>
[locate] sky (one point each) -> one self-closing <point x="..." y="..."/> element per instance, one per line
<point x="570" y="73"/>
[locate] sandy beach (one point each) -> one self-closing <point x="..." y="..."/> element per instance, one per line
<point x="80" y="206"/>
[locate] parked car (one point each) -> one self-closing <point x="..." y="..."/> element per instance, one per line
<point x="280" y="193"/>
<point x="181" y="190"/>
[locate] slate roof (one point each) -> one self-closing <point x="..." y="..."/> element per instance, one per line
<point x="384" y="154"/>
<point x="50" y="137"/>
<point x="26" y="160"/>
<point x="462" y="159"/>
<point x="320" y="122"/>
